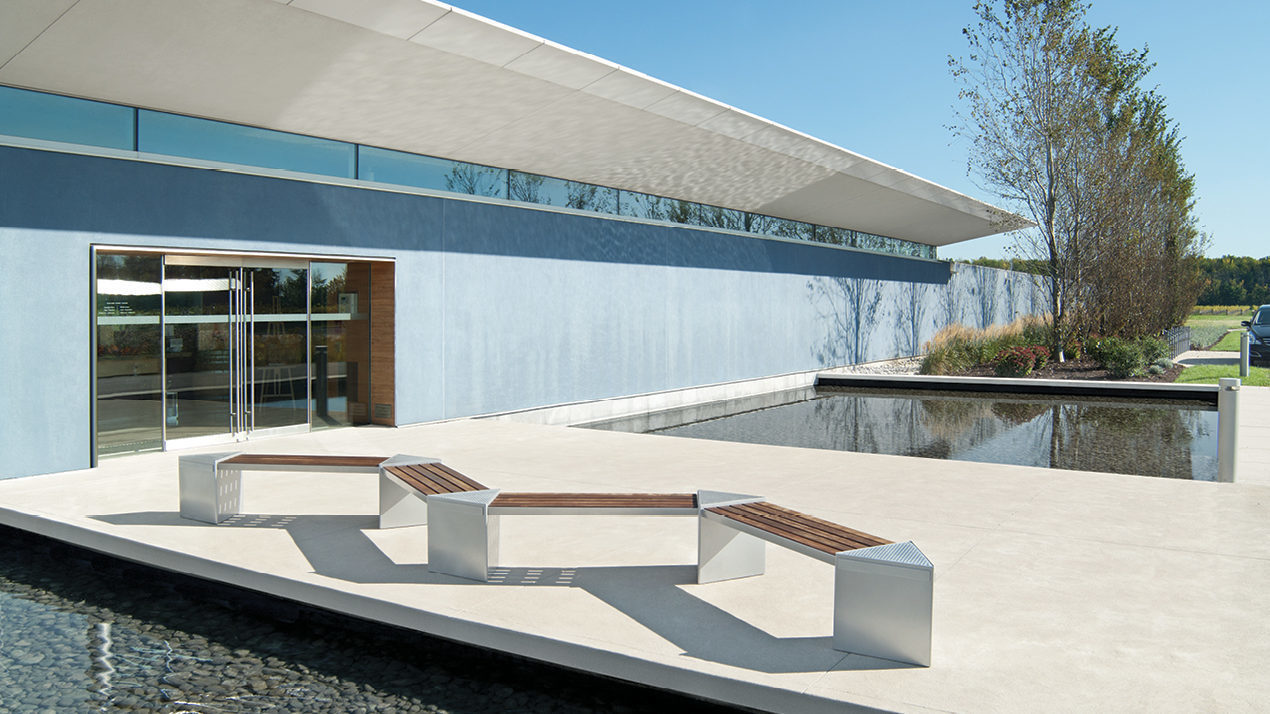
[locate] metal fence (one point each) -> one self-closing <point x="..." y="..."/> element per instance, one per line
<point x="1179" y="339"/>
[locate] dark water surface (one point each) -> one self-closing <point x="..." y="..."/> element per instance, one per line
<point x="1145" y="437"/>
<point x="81" y="632"/>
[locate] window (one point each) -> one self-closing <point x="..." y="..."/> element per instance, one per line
<point x="176" y="135"/>
<point x="54" y="118"/>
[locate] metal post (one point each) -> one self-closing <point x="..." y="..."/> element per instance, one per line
<point x="883" y="602"/>
<point x="1227" y="428"/>
<point x="462" y="535"/>
<point x="1243" y="354"/>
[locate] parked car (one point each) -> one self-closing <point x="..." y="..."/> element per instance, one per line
<point x="1259" y="336"/>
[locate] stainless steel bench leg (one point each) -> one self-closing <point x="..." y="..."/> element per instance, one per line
<point x="399" y="504"/>
<point x="883" y="599"/>
<point x="724" y="553"/>
<point x="209" y="493"/>
<point x="462" y="536"/>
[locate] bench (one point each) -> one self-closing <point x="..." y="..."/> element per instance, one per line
<point x="463" y="530"/>
<point x="211" y="484"/>
<point x="883" y="591"/>
<point x="407" y="483"/>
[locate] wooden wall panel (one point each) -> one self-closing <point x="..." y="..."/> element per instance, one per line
<point x="383" y="322"/>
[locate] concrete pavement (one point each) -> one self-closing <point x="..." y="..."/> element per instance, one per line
<point x="1054" y="591"/>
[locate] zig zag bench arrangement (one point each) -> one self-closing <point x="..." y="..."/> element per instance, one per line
<point x="883" y="591"/>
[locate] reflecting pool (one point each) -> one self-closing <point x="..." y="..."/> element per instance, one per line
<point x="1170" y="439"/>
<point x="83" y="632"/>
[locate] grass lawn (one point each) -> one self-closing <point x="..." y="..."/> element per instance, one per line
<point x="1230" y="342"/>
<point x="1210" y="373"/>
<point x="1224" y="320"/>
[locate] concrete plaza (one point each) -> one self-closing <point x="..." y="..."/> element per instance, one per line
<point x="1054" y="590"/>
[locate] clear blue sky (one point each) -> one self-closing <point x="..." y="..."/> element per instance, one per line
<point x="872" y="77"/>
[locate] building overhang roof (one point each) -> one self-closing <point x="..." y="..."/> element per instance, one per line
<point x="428" y="78"/>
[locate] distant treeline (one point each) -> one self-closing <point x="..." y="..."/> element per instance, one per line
<point x="1228" y="280"/>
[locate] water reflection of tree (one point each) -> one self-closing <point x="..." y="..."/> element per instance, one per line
<point x="870" y="424"/>
<point x="950" y="419"/>
<point x="1146" y="441"/>
<point x="850" y="305"/>
<point x="1017" y="412"/>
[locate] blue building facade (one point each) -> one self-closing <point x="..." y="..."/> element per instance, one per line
<point x="186" y="260"/>
<point x="496" y="306"/>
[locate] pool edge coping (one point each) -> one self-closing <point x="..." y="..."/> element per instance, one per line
<point x="1065" y="387"/>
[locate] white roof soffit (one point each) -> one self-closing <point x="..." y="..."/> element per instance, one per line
<point x="425" y="77"/>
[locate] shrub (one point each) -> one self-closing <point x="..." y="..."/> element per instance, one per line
<point x="1020" y="360"/>
<point x="1155" y="369"/>
<point x="1122" y="358"/>
<point x="1014" y="362"/>
<point x="1096" y="348"/>
<point x="957" y="348"/>
<point x="1036" y="331"/>
<point x="1041" y="354"/>
<point x="1153" y="348"/>
<point x="1163" y="363"/>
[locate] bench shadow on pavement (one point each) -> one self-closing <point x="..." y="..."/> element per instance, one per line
<point x="336" y="546"/>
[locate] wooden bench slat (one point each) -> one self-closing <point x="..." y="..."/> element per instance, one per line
<point x="812" y="532"/>
<point x="304" y="460"/>
<point x="764" y="526"/>
<point x="434" y="479"/>
<point x="595" y="500"/>
<point x="420" y="479"/>
<point x="461" y="482"/>
<point x="417" y="479"/>
<point x="830" y="530"/>
<point x="833" y="537"/>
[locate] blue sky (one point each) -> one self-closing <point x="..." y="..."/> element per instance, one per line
<point x="872" y="77"/>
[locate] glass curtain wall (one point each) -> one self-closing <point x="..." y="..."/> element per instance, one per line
<point x="197" y="345"/>
<point x="279" y="343"/>
<point x="219" y="348"/>
<point x="80" y="121"/>
<point x="129" y="360"/>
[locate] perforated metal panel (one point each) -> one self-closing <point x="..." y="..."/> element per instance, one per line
<point x="895" y="554"/>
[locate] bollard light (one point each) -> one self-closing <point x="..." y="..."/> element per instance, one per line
<point x="1227" y="427"/>
<point x="1244" y="345"/>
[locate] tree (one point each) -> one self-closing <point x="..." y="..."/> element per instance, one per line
<point x="1062" y="131"/>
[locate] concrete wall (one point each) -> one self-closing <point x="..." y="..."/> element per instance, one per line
<point x="498" y="307"/>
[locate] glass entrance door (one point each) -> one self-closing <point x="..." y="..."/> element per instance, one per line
<point x="235" y="349"/>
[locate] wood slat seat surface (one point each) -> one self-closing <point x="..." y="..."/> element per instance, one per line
<point x="305" y="460"/>
<point x="595" y="500"/>
<point x="433" y="479"/>
<point x="822" y="535"/>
